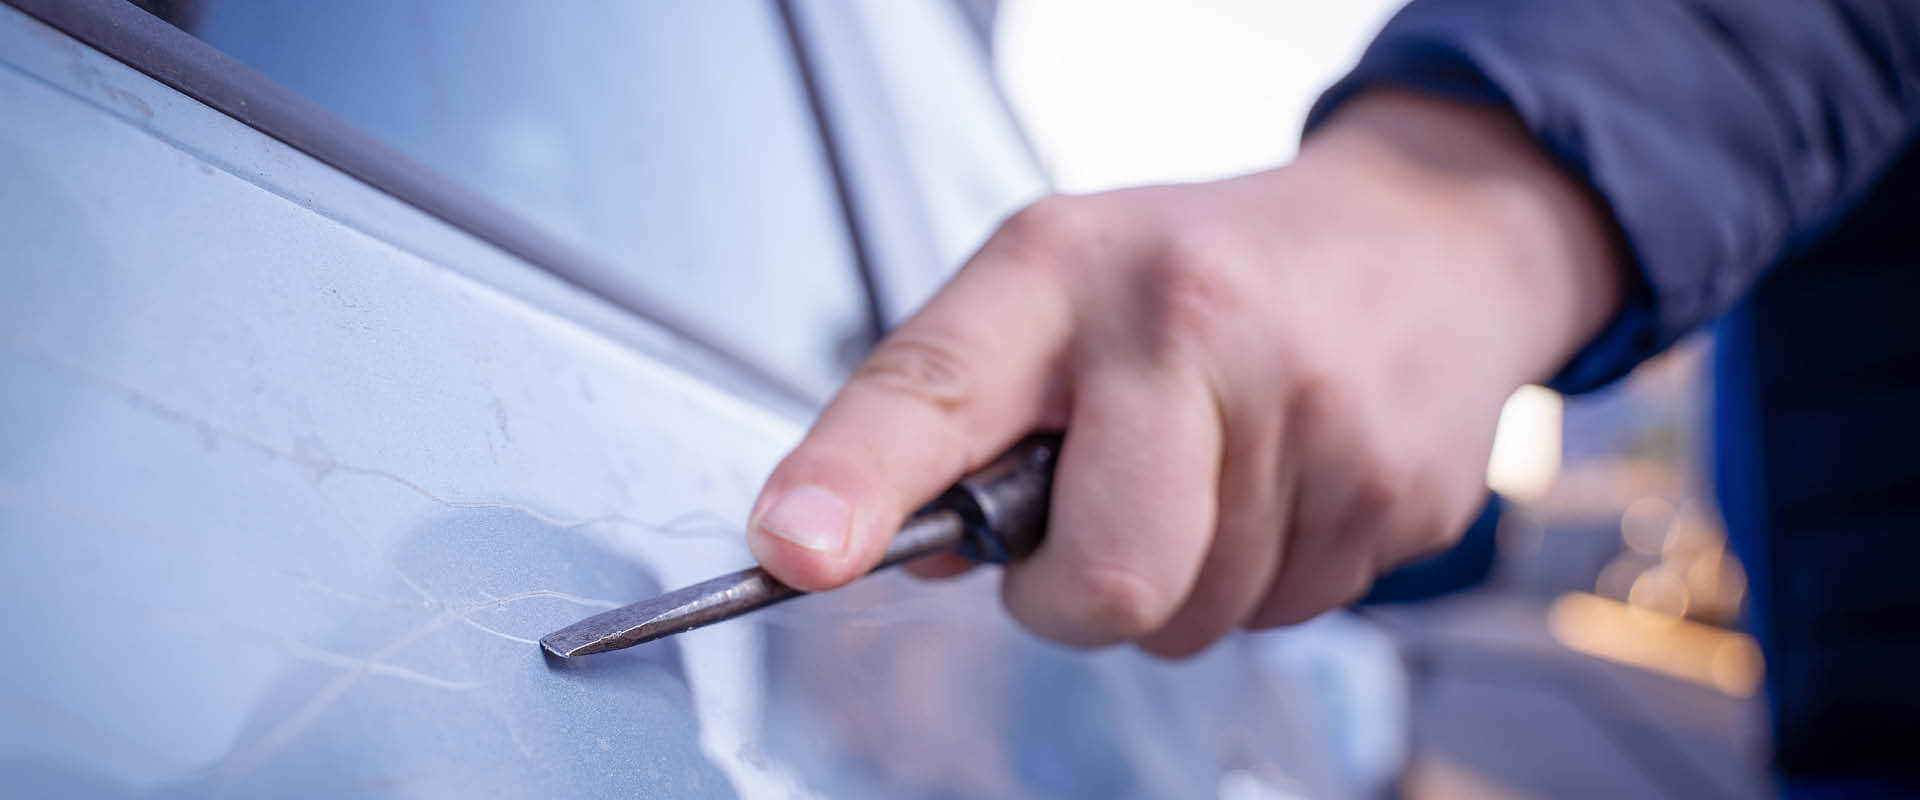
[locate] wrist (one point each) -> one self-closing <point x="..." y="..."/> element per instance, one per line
<point x="1538" y="244"/>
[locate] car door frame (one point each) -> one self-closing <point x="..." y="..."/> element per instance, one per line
<point x="175" y="58"/>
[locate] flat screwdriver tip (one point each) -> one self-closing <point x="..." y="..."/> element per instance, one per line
<point x="558" y="650"/>
<point x="613" y="630"/>
<point x="673" y="612"/>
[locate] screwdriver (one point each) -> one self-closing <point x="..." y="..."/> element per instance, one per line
<point x="995" y="515"/>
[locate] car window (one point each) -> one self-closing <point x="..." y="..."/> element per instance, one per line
<point x="672" y="141"/>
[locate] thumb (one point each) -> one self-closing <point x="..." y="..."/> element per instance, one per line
<point x="942" y="395"/>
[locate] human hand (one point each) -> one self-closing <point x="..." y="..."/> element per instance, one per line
<point x="1273" y="387"/>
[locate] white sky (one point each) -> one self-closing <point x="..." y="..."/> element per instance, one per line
<point x="1118" y="92"/>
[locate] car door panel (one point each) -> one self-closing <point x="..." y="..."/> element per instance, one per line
<point x="293" y="476"/>
<point x="272" y="478"/>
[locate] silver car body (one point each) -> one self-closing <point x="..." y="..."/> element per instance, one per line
<point x="293" y="473"/>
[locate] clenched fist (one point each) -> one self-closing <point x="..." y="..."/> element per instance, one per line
<point x="1273" y="387"/>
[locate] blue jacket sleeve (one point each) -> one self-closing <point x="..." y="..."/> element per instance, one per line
<point x="1723" y="135"/>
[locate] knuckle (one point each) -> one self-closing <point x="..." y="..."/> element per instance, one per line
<point x="1194" y="289"/>
<point x="1111" y="603"/>
<point x="1376" y="474"/>
<point x="1052" y="224"/>
<point x="1317" y="390"/>
<point x="1324" y="396"/>
<point x="1310" y="403"/>
<point x="1376" y="489"/>
<point x="919" y="367"/>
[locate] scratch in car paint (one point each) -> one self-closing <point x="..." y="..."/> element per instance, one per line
<point x="245" y="760"/>
<point x="316" y="585"/>
<point x="516" y="597"/>
<point x="465" y="616"/>
<point x="497" y="602"/>
<point x="307" y="652"/>
<point x="475" y="624"/>
<point x="500" y="417"/>
<point x="274" y="741"/>
<point x="310" y="452"/>
<point x="131" y="102"/>
<point x="426" y="597"/>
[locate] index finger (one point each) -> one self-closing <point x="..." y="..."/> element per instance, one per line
<point x="944" y="393"/>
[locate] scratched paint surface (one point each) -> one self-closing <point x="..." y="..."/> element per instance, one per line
<point x="286" y="506"/>
<point x="286" y="496"/>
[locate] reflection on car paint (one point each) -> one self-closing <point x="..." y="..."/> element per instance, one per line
<point x="285" y="504"/>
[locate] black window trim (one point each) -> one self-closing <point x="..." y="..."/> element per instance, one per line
<point x="852" y="106"/>
<point x="831" y="144"/>
<point x="188" y="65"/>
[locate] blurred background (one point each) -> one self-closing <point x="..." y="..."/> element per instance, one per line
<point x="1601" y="655"/>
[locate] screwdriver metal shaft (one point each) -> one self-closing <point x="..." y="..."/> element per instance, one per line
<point x="729" y="596"/>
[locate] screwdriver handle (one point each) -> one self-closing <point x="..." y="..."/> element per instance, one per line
<point x="1003" y="506"/>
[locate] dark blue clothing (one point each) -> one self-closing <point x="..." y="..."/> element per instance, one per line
<point x="1758" y="153"/>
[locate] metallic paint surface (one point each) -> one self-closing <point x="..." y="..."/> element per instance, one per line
<point x="292" y="479"/>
